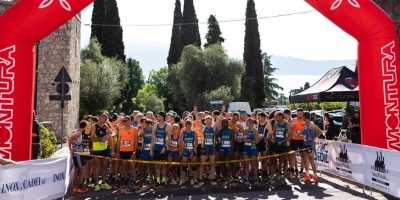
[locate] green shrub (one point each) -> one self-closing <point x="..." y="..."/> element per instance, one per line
<point x="48" y="140"/>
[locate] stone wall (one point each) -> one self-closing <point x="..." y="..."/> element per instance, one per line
<point x="60" y="48"/>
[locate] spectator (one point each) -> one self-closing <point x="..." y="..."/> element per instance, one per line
<point x="354" y="125"/>
<point x="330" y="126"/>
<point x="36" y="146"/>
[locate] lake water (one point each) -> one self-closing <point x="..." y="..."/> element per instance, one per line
<point x="290" y="82"/>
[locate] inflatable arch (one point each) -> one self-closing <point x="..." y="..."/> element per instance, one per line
<point x="29" y="21"/>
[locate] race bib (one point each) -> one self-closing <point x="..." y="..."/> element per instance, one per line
<point x="174" y="144"/>
<point x="199" y="139"/>
<point x="261" y="135"/>
<point x="279" y="134"/>
<point x="298" y="132"/>
<point x="126" y="143"/>
<point x="103" y="141"/>
<point x="209" y="141"/>
<point x="189" y="145"/>
<point x="304" y="138"/>
<point x="160" y="141"/>
<point x="147" y="147"/>
<point x="240" y="136"/>
<point x="226" y="143"/>
<point x="247" y="144"/>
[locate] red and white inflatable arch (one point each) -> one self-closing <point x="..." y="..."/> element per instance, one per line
<point x="29" y="21"/>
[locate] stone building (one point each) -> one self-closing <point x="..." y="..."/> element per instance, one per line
<point x="60" y="48"/>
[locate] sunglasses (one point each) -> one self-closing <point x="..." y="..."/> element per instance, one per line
<point x="125" y="120"/>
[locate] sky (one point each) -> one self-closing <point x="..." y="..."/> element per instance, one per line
<point x="308" y="36"/>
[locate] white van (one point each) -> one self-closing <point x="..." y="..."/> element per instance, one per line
<point x="235" y="106"/>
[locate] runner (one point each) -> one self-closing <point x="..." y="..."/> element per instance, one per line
<point x="146" y="135"/>
<point x="282" y="133"/>
<point x="188" y="142"/>
<point x="251" y="138"/>
<point x="75" y="145"/>
<point x="311" y="132"/>
<point x="239" y="143"/>
<point x="296" y="143"/>
<point x="100" y="135"/>
<point x="226" y="146"/>
<point x="127" y="142"/>
<point x="159" y="149"/>
<point x="208" y="147"/>
<point x="262" y="144"/>
<point x="174" y="152"/>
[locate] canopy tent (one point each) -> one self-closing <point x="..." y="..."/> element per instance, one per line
<point x="339" y="84"/>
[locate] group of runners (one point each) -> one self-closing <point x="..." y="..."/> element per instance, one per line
<point x="217" y="147"/>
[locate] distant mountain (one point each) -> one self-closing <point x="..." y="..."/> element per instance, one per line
<point x="297" y="66"/>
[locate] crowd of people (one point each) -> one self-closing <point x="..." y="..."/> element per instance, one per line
<point x="247" y="139"/>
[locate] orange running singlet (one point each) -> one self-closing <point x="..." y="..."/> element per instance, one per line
<point x="126" y="143"/>
<point x="298" y="129"/>
<point x="199" y="133"/>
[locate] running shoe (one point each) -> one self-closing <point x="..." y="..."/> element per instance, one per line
<point x="314" y="179"/>
<point x="96" y="188"/>
<point x="214" y="182"/>
<point x="196" y="184"/>
<point x="163" y="185"/>
<point x="82" y="189"/>
<point x="256" y="183"/>
<point x="173" y="182"/>
<point x="158" y="185"/>
<point x="291" y="175"/>
<point x="105" y="186"/>
<point x="191" y="182"/>
<point x="306" y="178"/>
<point x="183" y="185"/>
<point x="75" y="189"/>
<point x="201" y="183"/>
<point x="246" y="182"/>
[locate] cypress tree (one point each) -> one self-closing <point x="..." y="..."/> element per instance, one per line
<point x="252" y="81"/>
<point x="99" y="11"/>
<point x="113" y="44"/>
<point x="214" y="33"/>
<point x="190" y="31"/>
<point x="175" y="48"/>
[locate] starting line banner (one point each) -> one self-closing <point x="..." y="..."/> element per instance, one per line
<point x="37" y="179"/>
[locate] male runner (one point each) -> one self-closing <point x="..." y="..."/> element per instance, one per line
<point x="296" y="143"/>
<point x="159" y="149"/>
<point x="262" y="144"/>
<point x="311" y="132"/>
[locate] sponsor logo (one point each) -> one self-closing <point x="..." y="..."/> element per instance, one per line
<point x="391" y="96"/>
<point x="312" y="97"/>
<point x="321" y="154"/>
<point x="379" y="172"/>
<point x="7" y="64"/>
<point x="352" y="82"/>
<point x="343" y="162"/>
<point x="340" y="96"/>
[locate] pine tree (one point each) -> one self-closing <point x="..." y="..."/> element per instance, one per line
<point x="175" y="48"/>
<point x="190" y="31"/>
<point x="214" y="33"/>
<point x="253" y="81"/>
<point x="98" y="14"/>
<point x="113" y="44"/>
<point x="136" y="81"/>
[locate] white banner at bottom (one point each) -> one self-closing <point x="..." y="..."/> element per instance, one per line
<point x="382" y="170"/>
<point x="37" y="179"/>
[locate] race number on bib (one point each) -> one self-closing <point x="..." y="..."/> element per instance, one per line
<point x="160" y="141"/>
<point x="209" y="141"/>
<point x="226" y="143"/>
<point x="261" y="135"/>
<point x="174" y="144"/>
<point x="247" y="144"/>
<point x="199" y="139"/>
<point x="147" y="147"/>
<point x="279" y="134"/>
<point x="298" y="132"/>
<point x="304" y="138"/>
<point x="189" y="145"/>
<point x="103" y="141"/>
<point x="126" y="143"/>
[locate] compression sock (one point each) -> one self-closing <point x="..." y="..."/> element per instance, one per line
<point x="163" y="180"/>
<point x="158" y="179"/>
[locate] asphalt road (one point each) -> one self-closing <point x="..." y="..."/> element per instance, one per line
<point x="327" y="188"/>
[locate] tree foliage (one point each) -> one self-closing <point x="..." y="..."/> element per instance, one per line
<point x="270" y="85"/>
<point x="136" y="82"/>
<point x="252" y="88"/>
<point x="201" y="71"/>
<point x="301" y="89"/>
<point x="154" y="103"/>
<point x="143" y="94"/>
<point x="214" y="34"/>
<point x="112" y="43"/>
<point x="102" y="80"/>
<point x="175" y="48"/>
<point x="99" y="11"/>
<point x="159" y="79"/>
<point x="190" y="31"/>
